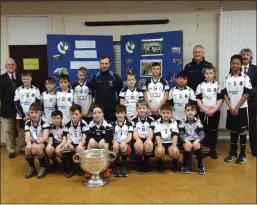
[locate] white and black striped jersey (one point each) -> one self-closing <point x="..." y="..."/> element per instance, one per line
<point x="236" y="87"/>
<point x="191" y="129"/>
<point x="49" y="101"/>
<point x="166" y="130"/>
<point x="64" y="102"/>
<point x="75" y="133"/>
<point x="121" y="131"/>
<point x="36" y="132"/>
<point x="143" y="126"/>
<point x="56" y="134"/>
<point x="130" y="98"/>
<point x="100" y="131"/>
<point x="208" y="93"/>
<point x="82" y="93"/>
<point x="155" y="90"/>
<point x="24" y="97"/>
<point x="179" y="97"/>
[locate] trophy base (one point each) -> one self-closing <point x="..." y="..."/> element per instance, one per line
<point x="95" y="181"/>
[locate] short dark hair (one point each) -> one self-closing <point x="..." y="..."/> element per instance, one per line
<point x="56" y="113"/>
<point x="131" y="74"/>
<point x="156" y="64"/>
<point x="182" y="74"/>
<point x="50" y="80"/>
<point x="192" y="105"/>
<point x="166" y="106"/>
<point x="35" y="107"/>
<point x="120" y="108"/>
<point x="26" y="74"/>
<point x="104" y="57"/>
<point x="75" y="107"/>
<point x="237" y="56"/>
<point x="97" y="106"/>
<point x="64" y="77"/>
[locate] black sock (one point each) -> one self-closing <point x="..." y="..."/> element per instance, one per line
<point x="242" y="144"/>
<point x="67" y="157"/>
<point x="233" y="143"/>
<point x="139" y="158"/>
<point x="41" y="158"/>
<point x="199" y="157"/>
<point x="186" y="156"/>
<point x="124" y="157"/>
<point x="214" y="139"/>
<point x="30" y="160"/>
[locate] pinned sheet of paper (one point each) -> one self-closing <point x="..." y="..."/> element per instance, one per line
<point x="84" y="44"/>
<point x="85" y="54"/>
<point x="31" y="64"/>
<point x="87" y="64"/>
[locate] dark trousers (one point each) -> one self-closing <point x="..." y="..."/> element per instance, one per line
<point x="252" y="104"/>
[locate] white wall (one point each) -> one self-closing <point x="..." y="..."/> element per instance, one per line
<point x="197" y="19"/>
<point x="237" y="31"/>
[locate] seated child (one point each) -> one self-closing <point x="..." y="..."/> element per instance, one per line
<point x="166" y="137"/>
<point x="143" y="136"/>
<point x="36" y="134"/>
<point x="191" y="134"/>
<point x="123" y="131"/>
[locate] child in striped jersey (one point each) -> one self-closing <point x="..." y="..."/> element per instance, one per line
<point x="123" y="131"/>
<point x="129" y="96"/>
<point x="48" y="99"/>
<point x="64" y="98"/>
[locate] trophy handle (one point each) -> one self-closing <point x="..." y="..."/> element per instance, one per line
<point x="111" y="156"/>
<point x="75" y="158"/>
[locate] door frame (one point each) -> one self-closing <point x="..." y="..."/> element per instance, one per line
<point x="4" y="32"/>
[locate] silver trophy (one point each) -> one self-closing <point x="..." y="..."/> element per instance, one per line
<point x="94" y="161"/>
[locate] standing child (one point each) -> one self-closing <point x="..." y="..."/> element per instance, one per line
<point x="235" y="90"/>
<point x="48" y="99"/>
<point x="166" y="137"/>
<point x="82" y="93"/>
<point x="64" y="98"/>
<point x="75" y="134"/>
<point x="36" y="134"/>
<point x="100" y="133"/>
<point x="156" y="91"/>
<point x="191" y="134"/>
<point x="129" y="96"/>
<point x="143" y="136"/>
<point x="180" y="95"/>
<point x="25" y="95"/>
<point x="123" y="131"/>
<point x="209" y="100"/>
<point x="56" y="140"/>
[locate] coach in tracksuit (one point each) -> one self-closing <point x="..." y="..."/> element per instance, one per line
<point x="106" y="87"/>
<point x="194" y="70"/>
<point x="251" y="70"/>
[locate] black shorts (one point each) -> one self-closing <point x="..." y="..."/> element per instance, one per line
<point x="210" y="123"/>
<point x="237" y="122"/>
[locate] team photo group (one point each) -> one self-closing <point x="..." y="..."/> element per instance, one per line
<point x="153" y="121"/>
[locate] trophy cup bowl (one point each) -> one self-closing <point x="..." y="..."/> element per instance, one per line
<point x="94" y="161"/>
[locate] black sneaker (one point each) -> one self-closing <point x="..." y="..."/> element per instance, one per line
<point x="185" y="170"/>
<point x="116" y="172"/>
<point x="147" y="167"/>
<point x="32" y="172"/>
<point x="139" y="168"/>
<point x="42" y="172"/>
<point x="213" y="153"/>
<point x="159" y="166"/>
<point x="229" y="158"/>
<point x="241" y="159"/>
<point x="123" y="171"/>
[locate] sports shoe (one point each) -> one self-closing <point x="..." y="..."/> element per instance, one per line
<point x="42" y="172"/>
<point x="116" y="172"/>
<point x="241" y="159"/>
<point x="123" y="171"/>
<point x="32" y="172"/>
<point x="213" y="153"/>
<point x="201" y="171"/>
<point x="147" y="167"/>
<point x="185" y="169"/>
<point x="229" y="158"/>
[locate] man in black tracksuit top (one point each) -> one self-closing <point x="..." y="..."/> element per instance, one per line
<point x="106" y="87"/>
<point x="194" y="70"/>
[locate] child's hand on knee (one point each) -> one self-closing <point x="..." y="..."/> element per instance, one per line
<point x="188" y="146"/>
<point x="196" y="145"/>
<point x="79" y="148"/>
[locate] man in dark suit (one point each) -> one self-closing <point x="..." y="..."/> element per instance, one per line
<point x="251" y="70"/>
<point x="9" y="81"/>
